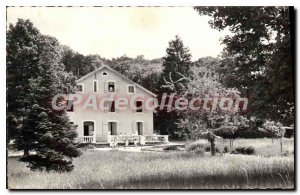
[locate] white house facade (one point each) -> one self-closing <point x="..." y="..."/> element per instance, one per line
<point x="110" y="124"/>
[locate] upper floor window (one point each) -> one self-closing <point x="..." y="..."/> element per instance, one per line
<point x="104" y="73"/>
<point x="70" y="106"/>
<point x="111" y="106"/>
<point x="139" y="106"/>
<point x="79" y="88"/>
<point x="95" y="86"/>
<point x="111" y="86"/>
<point x="131" y="89"/>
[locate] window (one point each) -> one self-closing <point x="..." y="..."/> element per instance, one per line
<point x="111" y="106"/>
<point x="79" y="88"/>
<point x="139" y="106"/>
<point x="88" y="128"/>
<point x="112" y="128"/>
<point x="70" y="106"/>
<point x="95" y="86"/>
<point x="131" y="88"/>
<point x="140" y="128"/>
<point x="104" y="73"/>
<point x="111" y="86"/>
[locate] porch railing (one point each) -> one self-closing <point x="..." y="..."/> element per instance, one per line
<point x="87" y="139"/>
<point x="141" y="139"/>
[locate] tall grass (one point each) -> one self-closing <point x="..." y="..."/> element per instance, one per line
<point x="184" y="170"/>
<point x="262" y="146"/>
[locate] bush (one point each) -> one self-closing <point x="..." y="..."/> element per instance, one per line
<point x="171" y="148"/>
<point x="194" y="146"/>
<point x="217" y="150"/>
<point x="199" y="151"/>
<point x="86" y="146"/>
<point x="244" y="150"/>
<point x="226" y="149"/>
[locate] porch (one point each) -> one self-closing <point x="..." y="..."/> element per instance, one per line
<point x="126" y="139"/>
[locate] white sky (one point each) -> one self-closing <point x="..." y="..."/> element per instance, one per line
<point x="113" y="32"/>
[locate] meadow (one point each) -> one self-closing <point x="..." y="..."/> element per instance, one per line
<point x="167" y="170"/>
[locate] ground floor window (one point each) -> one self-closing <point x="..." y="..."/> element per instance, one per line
<point x="140" y="128"/>
<point x="112" y="128"/>
<point x="88" y="128"/>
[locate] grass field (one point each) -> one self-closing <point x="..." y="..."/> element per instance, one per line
<point x="165" y="170"/>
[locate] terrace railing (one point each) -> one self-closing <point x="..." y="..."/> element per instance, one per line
<point x="141" y="139"/>
<point x="87" y="139"/>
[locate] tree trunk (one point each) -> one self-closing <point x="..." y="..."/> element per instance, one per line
<point x="272" y="140"/>
<point x="212" y="146"/>
<point x="26" y="152"/>
<point x="281" y="149"/>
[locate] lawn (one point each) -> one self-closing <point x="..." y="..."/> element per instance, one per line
<point x="163" y="170"/>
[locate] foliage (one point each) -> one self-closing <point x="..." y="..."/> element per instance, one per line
<point x="208" y="122"/>
<point x="142" y="71"/>
<point x="226" y="149"/>
<point x="22" y="46"/>
<point x="41" y="128"/>
<point x="194" y="145"/>
<point x="244" y="150"/>
<point x="274" y="129"/>
<point x="259" y="49"/>
<point x="176" y="64"/>
<point x="171" y="148"/>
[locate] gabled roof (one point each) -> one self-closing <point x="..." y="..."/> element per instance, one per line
<point x="116" y="72"/>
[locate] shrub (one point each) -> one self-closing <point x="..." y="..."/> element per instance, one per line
<point x="250" y="150"/>
<point x="217" y="150"/>
<point x="199" y="151"/>
<point x="207" y="148"/>
<point x="244" y="150"/>
<point x="86" y="146"/>
<point x="171" y="148"/>
<point x="194" y="146"/>
<point x="226" y="149"/>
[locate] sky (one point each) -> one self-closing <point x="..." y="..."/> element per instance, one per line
<point x="115" y="31"/>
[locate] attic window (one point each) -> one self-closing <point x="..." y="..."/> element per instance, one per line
<point x="131" y="88"/>
<point x="79" y="88"/>
<point x="104" y="73"/>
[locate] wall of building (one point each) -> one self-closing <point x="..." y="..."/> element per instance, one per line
<point x="126" y="119"/>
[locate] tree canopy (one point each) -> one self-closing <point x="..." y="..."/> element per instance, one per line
<point x="259" y="56"/>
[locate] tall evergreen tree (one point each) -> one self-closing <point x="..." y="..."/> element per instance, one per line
<point x="22" y="54"/>
<point x="176" y="64"/>
<point x="51" y="133"/>
<point x="34" y="76"/>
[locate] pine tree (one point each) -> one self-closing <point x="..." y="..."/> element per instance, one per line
<point x="22" y="54"/>
<point x="51" y="133"/>
<point x="176" y="64"/>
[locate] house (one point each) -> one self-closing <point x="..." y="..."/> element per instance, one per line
<point x="109" y="123"/>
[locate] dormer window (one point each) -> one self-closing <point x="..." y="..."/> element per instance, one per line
<point x="111" y="86"/>
<point x="79" y="88"/>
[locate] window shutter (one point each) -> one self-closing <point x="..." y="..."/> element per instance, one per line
<point x="106" y="106"/>
<point x="117" y="86"/>
<point x="133" y="127"/>
<point x="119" y="128"/>
<point x="145" y="128"/>
<point x="105" y="87"/>
<point x="104" y="127"/>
